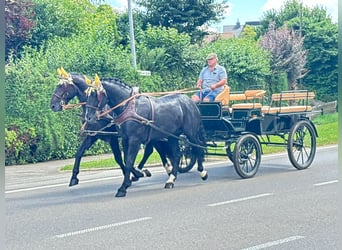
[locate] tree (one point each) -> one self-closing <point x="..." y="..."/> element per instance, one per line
<point x="165" y="52"/>
<point x="320" y="39"/>
<point x="249" y="32"/>
<point x="35" y="133"/>
<point x="123" y="27"/>
<point x="187" y="16"/>
<point x="59" y="19"/>
<point x="19" y="17"/>
<point x="286" y="48"/>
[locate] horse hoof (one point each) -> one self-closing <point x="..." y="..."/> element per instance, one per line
<point x="169" y="185"/>
<point x="147" y="173"/>
<point x="120" y="194"/>
<point x="73" y="182"/>
<point x="205" y="177"/>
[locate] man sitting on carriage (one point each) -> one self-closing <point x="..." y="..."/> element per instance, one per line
<point x="211" y="81"/>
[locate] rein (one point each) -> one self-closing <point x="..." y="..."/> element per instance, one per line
<point x="182" y="91"/>
<point x="100" y="131"/>
<point x="181" y="138"/>
<point x="116" y="106"/>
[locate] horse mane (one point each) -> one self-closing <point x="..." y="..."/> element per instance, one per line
<point x="76" y="74"/>
<point x="79" y="80"/>
<point x="117" y="81"/>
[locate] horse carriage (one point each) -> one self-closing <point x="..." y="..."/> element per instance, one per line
<point x="234" y="126"/>
<point x="237" y="124"/>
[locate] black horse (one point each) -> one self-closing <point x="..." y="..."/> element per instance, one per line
<point x="74" y="85"/>
<point x="144" y="119"/>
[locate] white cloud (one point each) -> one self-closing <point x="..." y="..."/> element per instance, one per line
<point x="330" y="5"/>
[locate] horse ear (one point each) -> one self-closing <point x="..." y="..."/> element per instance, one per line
<point x="64" y="73"/>
<point x="59" y="71"/>
<point x="87" y="80"/>
<point x="97" y="81"/>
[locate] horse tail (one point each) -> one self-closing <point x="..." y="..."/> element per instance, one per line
<point x="202" y="134"/>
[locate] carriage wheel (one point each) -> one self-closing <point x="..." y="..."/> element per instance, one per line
<point x="247" y="156"/>
<point x="230" y="151"/>
<point x="187" y="160"/>
<point x="301" y="145"/>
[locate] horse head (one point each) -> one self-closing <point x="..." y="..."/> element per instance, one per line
<point x="68" y="87"/>
<point x="96" y="101"/>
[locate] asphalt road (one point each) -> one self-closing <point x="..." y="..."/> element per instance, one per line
<point x="280" y="208"/>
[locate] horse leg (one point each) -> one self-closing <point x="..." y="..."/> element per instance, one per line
<point x="114" y="145"/>
<point x="147" y="152"/>
<point x="200" y="158"/>
<point x="130" y="153"/>
<point x="162" y="148"/>
<point x="175" y="158"/>
<point x="86" y="144"/>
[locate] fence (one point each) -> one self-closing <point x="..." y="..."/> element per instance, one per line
<point x="324" y="108"/>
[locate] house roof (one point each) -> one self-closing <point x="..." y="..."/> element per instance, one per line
<point x="236" y="30"/>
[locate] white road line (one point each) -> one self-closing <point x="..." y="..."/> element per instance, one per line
<point x="89" y="230"/>
<point x="275" y="243"/>
<point x="66" y="184"/>
<point x="326" y="183"/>
<point x="55" y="185"/>
<point x="238" y="200"/>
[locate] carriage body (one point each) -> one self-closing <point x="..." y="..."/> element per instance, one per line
<point x="239" y="131"/>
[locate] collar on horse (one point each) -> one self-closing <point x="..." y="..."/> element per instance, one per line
<point x="129" y="113"/>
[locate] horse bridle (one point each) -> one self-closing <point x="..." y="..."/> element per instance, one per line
<point x="99" y="99"/>
<point x="63" y="97"/>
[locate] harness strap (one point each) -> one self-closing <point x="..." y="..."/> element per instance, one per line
<point x="134" y="95"/>
<point x="100" y="131"/>
<point x="150" y="123"/>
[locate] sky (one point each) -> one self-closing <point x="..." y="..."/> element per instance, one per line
<point x="250" y="10"/>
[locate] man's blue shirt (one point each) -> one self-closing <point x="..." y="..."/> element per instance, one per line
<point x="211" y="77"/>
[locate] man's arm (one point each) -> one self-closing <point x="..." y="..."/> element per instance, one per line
<point x="218" y="84"/>
<point x="199" y="83"/>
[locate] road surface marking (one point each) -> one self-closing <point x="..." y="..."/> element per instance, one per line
<point x="56" y="185"/>
<point x="238" y="200"/>
<point x="89" y="230"/>
<point x="275" y="243"/>
<point x="67" y="184"/>
<point x="326" y="183"/>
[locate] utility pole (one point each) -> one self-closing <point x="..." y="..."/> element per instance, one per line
<point x="131" y="34"/>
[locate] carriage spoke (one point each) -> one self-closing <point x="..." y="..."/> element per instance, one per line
<point x="302" y="144"/>
<point x="247" y="154"/>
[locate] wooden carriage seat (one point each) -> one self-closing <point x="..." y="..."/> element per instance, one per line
<point x="289" y="96"/>
<point x="223" y="96"/>
<point x="252" y="95"/>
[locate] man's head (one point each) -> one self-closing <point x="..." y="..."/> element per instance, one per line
<point x="211" y="56"/>
<point x="212" y="59"/>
